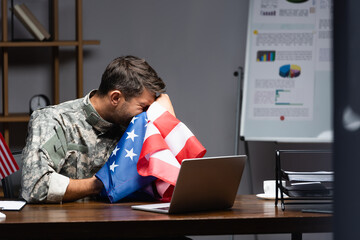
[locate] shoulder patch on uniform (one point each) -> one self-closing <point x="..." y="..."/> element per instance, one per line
<point x="56" y="147"/>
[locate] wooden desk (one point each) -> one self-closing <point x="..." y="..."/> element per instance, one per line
<point x="89" y="219"/>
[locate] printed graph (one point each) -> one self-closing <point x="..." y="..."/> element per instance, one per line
<point x="265" y="56"/>
<point x="290" y="71"/>
<point x="285" y="97"/>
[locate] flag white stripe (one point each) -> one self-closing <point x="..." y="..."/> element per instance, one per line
<point x="177" y="138"/>
<point x="155" y="110"/>
<point x="4" y="173"/>
<point x="167" y="157"/>
<point x="8" y="158"/>
<point x="4" y="164"/>
<point x="151" y="130"/>
<point x="3" y="170"/>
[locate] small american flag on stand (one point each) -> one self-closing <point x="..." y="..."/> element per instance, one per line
<point x="8" y="164"/>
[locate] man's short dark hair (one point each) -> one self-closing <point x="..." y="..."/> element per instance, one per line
<point x="130" y="75"/>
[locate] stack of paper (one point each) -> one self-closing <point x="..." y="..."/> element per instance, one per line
<point x="309" y="184"/>
<point x="11" y="205"/>
<point x="319" y="176"/>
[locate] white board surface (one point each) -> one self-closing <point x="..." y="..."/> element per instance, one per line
<point x="287" y="92"/>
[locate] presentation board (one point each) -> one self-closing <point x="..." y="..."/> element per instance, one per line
<point x="287" y="92"/>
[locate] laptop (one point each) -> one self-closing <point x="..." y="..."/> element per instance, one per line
<point x="203" y="184"/>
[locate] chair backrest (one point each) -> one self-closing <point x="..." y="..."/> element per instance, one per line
<point x="11" y="184"/>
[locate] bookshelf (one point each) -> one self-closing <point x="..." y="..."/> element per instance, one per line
<point x="6" y="116"/>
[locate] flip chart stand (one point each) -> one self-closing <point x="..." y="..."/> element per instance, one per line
<point x="239" y="74"/>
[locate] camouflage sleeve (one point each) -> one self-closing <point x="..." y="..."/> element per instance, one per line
<point x="42" y="156"/>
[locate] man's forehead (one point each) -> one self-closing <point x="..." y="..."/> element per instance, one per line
<point x="147" y="97"/>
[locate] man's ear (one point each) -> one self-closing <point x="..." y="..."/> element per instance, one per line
<point x="115" y="97"/>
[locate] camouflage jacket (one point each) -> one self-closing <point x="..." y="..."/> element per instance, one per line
<point x="69" y="140"/>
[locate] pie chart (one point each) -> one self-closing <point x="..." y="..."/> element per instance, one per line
<point x="290" y="71"/>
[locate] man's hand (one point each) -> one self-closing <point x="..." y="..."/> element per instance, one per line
<point x="80" y="188"/>
<point x="164" y="101"/>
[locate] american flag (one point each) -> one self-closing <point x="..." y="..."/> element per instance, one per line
<point x="167" y="142"/>
<point x="8" y="164"/>
<point x="151" y="149"/>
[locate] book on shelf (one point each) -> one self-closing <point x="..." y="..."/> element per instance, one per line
<point x="31" y="23"/>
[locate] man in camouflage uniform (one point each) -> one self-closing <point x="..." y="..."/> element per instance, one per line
<point x="68" y="143"/>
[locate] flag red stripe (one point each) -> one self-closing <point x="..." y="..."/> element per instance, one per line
<point x="168" y="194"/>
<point x="158" y="164"/>
<point x="162" y="187"/>
<point x="3" y="169"/>
<point x="8" y="158"/>
<point x="159" y="169"/>
<point x="11" y="160"/>
<point x="4" y="161"/>
<point x="9" y="155"/>
<point x="2" y="174"/>
<point x="153" y="143"/>
<point x="8" y="164"/>
<point x="166" y="123"/>
<point x="192" y="149"/>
